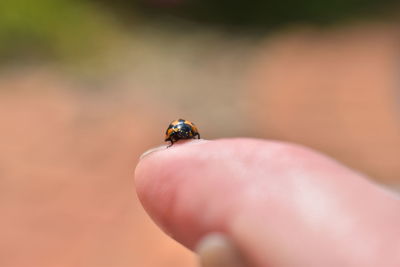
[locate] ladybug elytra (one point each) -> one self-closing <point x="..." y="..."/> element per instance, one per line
<point x="181" y="129"/>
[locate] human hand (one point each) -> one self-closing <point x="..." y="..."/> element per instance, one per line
<point x="275" y="204"/>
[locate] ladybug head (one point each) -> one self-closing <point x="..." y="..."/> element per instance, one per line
<point x="185" y="131"/>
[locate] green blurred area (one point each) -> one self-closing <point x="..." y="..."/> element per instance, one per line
<point x="56" y="29"/>
<point x="72" y="29"/>
<point x="263" y="14"/>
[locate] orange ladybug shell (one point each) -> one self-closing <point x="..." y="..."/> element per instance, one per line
<point x="174" y="129"/>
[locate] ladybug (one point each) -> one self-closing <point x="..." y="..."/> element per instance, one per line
<point x="181" y="129"/>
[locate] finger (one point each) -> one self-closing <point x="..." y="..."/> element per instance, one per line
<point x="277" y="202"/>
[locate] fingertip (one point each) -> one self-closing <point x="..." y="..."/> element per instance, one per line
<point x="196" y="185"/>
<point x="171" y="146"/>
<point x="160" y="175"/>
<point x="176" y="184"/>
<point x="261" y="194"/>
<point x="152" y="150"/>
<point x="160" y="157"/>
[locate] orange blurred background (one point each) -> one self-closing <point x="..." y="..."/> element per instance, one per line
<point x="85" y="90"/>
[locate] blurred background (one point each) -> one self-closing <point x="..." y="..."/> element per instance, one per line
<point x="86" y="86"/>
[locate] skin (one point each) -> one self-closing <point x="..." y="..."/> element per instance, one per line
<point x="280" y="204"/>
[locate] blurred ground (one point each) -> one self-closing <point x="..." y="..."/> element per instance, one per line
<point x="67" y="194"/>
<point x="69" y="143"/>
<point x="337" y="92"/>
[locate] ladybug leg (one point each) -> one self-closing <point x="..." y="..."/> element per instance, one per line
<point x="198" y="136"/>
<point x="170" y="144"/>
